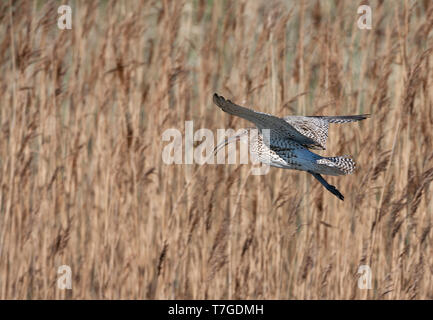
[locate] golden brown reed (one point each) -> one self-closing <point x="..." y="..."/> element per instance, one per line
<point x="83" y="182"/>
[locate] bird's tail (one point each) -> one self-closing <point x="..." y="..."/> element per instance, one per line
<point x="336" y="166"/>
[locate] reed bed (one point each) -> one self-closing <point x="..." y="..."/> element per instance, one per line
<point x="83" y="184"/>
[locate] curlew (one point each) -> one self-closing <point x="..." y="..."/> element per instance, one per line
<point x="290" y="140"/>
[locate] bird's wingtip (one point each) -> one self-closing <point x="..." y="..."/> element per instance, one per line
<point x="218" y="100"/>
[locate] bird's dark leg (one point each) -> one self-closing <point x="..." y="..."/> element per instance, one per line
<point x="329" y="187"/>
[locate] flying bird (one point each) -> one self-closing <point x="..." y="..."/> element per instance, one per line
<point x="290" y="140"/>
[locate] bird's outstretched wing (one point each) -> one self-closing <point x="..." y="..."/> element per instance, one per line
<point x="316" y="127"/>
<point x="278" y="126"/>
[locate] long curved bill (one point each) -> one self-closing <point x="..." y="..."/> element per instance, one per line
<point x="229" y="140"/>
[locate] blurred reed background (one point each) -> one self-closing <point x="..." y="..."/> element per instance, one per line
<point x="83" y="184"/>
